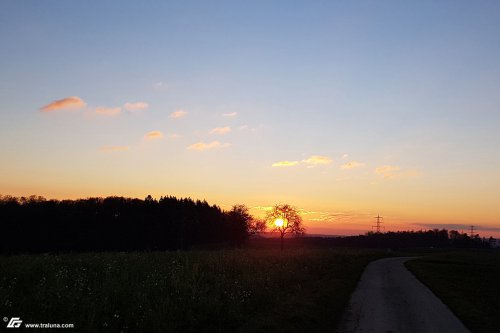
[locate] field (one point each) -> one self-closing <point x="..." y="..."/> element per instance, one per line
<point x="193" y="291"/>
<point x="468" y="282"/>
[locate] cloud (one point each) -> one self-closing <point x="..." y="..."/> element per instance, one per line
<point x="136" y="106"/>
<point x="68" y="103"/>
<point x="221" y="130"/>
<point x="200" y="146"/>
<point x="153" y="135"/>
<point x="161" y="86"/>
<point x="387" y="171"/>
<point x="448" y="226"/>
<point x="311" y="162"/>
<point x="251" y="129"/>
<point x="230" y="115"/>
<point x="178" y="114"/>
<point x="395" y="172"/>
<point x="111" y="149"/>
<point x="352" y="165"/>
<point x="264" y="208"/>
<point x="104" y="111"/>
<point x="174" y="136"/>
<point x="285" y="164"/>
<point x="318" y="160"/>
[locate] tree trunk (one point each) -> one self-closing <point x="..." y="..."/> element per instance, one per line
<point x="282" y="241"/>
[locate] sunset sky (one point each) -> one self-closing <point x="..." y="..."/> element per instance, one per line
<point x="345" y="109"/>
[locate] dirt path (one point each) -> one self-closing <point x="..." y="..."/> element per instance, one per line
<point x="389" y="298"/>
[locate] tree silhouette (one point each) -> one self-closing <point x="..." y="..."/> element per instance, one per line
<point x="239" y="221"/>
<point x="285" y="219"/>
<point x="256" y="226"/>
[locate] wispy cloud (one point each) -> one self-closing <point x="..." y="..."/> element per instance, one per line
<point x="161" y="86"/>
<point x="464" y="227"/>
<point x="318" y="160"/>
<point x="352" y="165"/>
<point x="68" y="103"/>
<point x="105" y="111"/>
<point x="230" y="114"/>
<point x="387" y="171"/>
<point x="178" y="114"/>
<point x="264" y="208"/>
<point x="200" y="146"/>
<point x="285" y="164"/>
<point x="328" y="216"/>
<point x="137" y="106"/>
<point x="221" y="130"/>
<point x="111" y="149"/>
<point x="153" y="135"/>
<point x="255" y="129"/>
<point x="395" y="172"/>
<point x="174" y="136"/>
<point x="311" y="162"/>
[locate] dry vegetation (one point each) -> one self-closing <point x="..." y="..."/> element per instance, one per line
<point x="191" y="291"/>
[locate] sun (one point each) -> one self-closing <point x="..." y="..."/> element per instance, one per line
<point x="279" y="222"/>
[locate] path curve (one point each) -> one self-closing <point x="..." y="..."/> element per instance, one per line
<point x="389" y="298"/>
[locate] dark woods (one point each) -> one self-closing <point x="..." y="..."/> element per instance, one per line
<point x="436" y="238"/>
<point x="35" y="224"/>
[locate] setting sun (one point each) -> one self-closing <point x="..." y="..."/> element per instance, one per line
<point x="279" y="222"/>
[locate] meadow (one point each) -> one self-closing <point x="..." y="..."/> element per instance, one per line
<point x="185" y="291"/>
<point x="467" y="281"/>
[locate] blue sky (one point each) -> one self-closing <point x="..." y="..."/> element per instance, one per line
<point x="408" y="90"/>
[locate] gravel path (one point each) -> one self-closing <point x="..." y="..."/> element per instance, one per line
<point x="389" y="298"/>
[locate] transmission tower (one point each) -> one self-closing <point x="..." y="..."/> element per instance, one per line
<point x="378" y="225"/>
<point x="471" y="234"/>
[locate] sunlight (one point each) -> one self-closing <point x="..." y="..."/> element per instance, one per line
<point x="279" y="222"/>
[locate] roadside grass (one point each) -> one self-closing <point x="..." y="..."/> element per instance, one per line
<point x="191" y="291"/>
<point x="468" y="282"/>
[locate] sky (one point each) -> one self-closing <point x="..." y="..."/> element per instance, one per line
<point x="344" y="109"/>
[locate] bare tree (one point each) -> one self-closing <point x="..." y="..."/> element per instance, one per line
<point x="285" y="219"/>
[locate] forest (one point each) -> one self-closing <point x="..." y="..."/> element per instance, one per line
<point x="35" y="224"/>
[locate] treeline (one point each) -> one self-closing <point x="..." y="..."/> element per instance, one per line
<point x="436" y="238"/>
<point x="34" y="224"/>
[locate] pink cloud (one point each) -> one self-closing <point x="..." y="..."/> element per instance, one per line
<point x="153" y="135"/>
<point x="175" y="136"/>
<point x="221" y="130"/>
<point x="200" y="146"/>
<point x="395" y="172"/>
<point x="136" y="106"/>
<point x="178" y="114"/>
<point x="104" y="111"/>
<point x="68" y="103"/>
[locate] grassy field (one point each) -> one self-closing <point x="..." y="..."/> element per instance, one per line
<point x="209" y="291"/>
<point x="468" y="282"/>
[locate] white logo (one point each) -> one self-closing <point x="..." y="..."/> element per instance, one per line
<point x="14" y="322"/>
